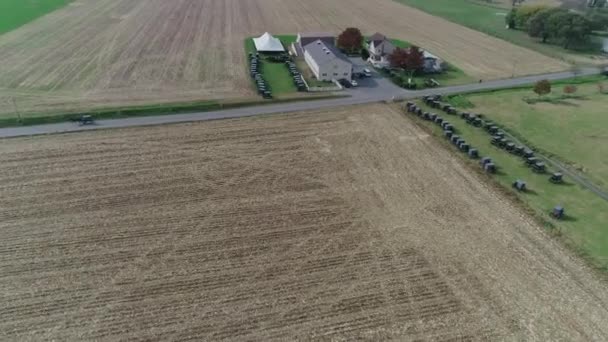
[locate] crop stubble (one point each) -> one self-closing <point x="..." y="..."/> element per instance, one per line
<point x="129" y="52"/>
<point x="349" y="224"/>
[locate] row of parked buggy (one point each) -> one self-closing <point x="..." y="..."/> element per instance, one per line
<point x="498" y="136"/>
<point x="255" y="67"/>
<point x="498" y="139"/>
<point x="450" y="133"/>
<point x="298" y="80"/>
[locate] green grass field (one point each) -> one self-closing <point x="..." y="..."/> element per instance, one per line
<point x="486" y="19"/>
<point x="15" y="13"/>
<point x="574" y="130"/>
<point x="276" y="74"/>
<point x="587" y="214"/>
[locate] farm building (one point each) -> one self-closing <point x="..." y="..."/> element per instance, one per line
<point x="268" y="43"/>
<point x="432" y="63"/>
<point x="304" y="39"/>
<point x="326" y="62"/>
<point x="379" y="49"/>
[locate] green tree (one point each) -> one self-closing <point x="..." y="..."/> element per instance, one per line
<point x="510" y="19"/>
<point x="537" y="25"/>
<point x="570" y="29"/>
<point x="598" y="18"/>
<point x="542" y="87"/>
<point x="524" y="13"/>
<point x="364" y="54"/>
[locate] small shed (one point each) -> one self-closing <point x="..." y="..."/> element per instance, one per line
<point x="268" y="43"/>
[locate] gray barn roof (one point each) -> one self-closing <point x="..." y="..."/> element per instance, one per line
<point x="323" y="53"/>
<point x="316" y="34"/>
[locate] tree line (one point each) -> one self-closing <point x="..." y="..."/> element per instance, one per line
<point x="559" y="26"/>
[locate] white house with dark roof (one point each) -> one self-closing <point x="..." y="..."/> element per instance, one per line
<point x="326" y="62"/>
<point x="379" y="48"/>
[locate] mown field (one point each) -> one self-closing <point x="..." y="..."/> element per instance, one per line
<point x="490" y="19"/>
<point x="15" y="13"/>
<point x="573" y="130"/>
<point x="350" y="224"/>
<point x="117" y="53"/>
<point x="587" y="214"/>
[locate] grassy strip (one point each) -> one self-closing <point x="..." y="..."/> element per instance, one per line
<point x="586" y="213"/>
<point x="152" y="110"/>
<point x="276" y="74"/>
<point x="489" y="20"/>
<point x="16" y="13"/>
<point x="567" y="81"/>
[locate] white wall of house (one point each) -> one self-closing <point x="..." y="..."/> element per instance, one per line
<point x="312" y="64"/>
<point x="333" y="70"/>
<point x="379" y="55"/>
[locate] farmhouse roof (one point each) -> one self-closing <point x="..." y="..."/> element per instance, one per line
<point x="377" y="38"/>
<point x="429" y="55"/>
<point x="267" y="42"/>
<point x="323" y="53"/>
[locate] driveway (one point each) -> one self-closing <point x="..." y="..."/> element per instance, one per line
<point x="375" y="86"/>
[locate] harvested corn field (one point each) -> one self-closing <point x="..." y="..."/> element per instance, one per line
<point x="351" y="224"/>
<point x="104" y="53"/>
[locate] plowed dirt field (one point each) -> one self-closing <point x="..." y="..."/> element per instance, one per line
<point x="344" y="225"/>
<point x="99" y="53"/>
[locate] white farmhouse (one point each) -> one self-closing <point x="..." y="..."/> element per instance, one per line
<point x="379" y="49"/>
<point x="326" y="62"/>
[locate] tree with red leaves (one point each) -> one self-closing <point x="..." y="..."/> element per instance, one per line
<point x="415" y="60"/>
<point x="410" y="60"/>
<point x="350" y="40"/>
<point x="398" y="58"/>
<point x="542" y="87"/>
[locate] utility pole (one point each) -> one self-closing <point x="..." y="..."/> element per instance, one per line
<point x="16" y="110"/>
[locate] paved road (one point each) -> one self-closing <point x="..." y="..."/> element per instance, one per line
<point x="372" y="90"/>
<point x="378" y="90"/>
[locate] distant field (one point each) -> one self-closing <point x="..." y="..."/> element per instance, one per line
<point x="133" y="52"/>
<point x="349" y="224"/>
<point x="490" y="19"/>
<point x="15" y="13"/>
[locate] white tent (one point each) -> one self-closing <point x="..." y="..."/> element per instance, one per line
<point x="268" y="43"/>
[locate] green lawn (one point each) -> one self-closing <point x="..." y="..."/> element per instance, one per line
<point x="452" y="75"/>
<point x="15" y="13"/>
<point x="276" y="74"/>
<point x="487" y="19"/>
<point x="583" y="229"/>
<point x="400" y="43"/>
<point x="574" y="131"/>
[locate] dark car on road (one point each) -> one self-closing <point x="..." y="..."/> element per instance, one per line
<point x="345" y="83"/>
